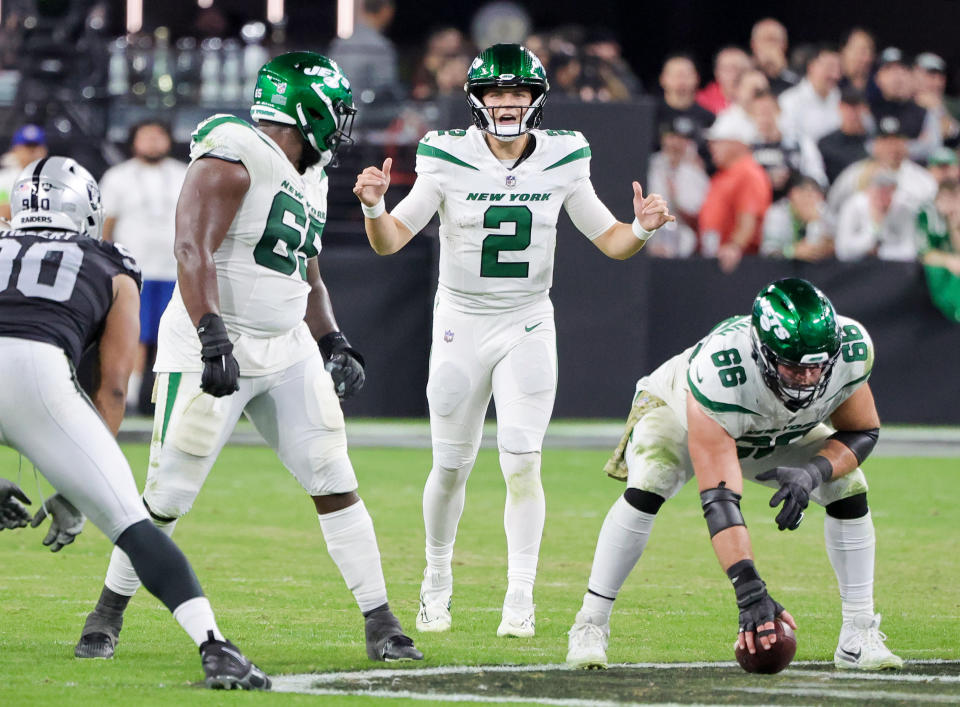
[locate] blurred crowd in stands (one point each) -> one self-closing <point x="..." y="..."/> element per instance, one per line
<point x="845" y="150"/>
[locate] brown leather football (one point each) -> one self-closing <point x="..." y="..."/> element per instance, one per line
<point x="773" y="660"/>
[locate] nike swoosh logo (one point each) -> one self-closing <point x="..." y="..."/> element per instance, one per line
<point x="528" y="329"/>
<point x="854" y="656"/>
<point x="699" y="378"/>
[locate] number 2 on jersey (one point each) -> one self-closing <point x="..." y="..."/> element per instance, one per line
<point x="497" y="217"/>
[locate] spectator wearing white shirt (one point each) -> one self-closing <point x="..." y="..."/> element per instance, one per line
<point x="139" y="202"/>
<point x="915" y="185"/>
<point x="676" y="172"/>
<point x="867" y="225"/>
<point x="793" y="227"/>
<point x="812" y="108"/>
<point x="930" y="83"/>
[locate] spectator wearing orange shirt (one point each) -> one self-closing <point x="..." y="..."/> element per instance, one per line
<point x="731" y="218"/>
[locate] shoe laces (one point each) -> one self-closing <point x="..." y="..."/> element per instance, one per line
<point x="587" y="632"/>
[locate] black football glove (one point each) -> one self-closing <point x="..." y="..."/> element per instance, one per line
<point x="796" y="483"/>
<point x="756" y="606"/>
<point x="66" y="522"/>
<point x="220" y="368"/>
<point x="344" y="363"/>
<point x="12" y="514"/>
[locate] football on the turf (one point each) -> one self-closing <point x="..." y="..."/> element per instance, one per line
<point x="773" y="660"/>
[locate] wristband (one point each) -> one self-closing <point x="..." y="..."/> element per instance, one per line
<point x="639" y="231"/>
<point x="822" y="466"/>
<point x="376" y="210"/>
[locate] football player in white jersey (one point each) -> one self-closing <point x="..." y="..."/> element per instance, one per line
<point x="245" y="329"/>
<point x="779" y="397"/>
<point x="498" y="187"/>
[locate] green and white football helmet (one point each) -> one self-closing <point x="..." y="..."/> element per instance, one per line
<point x="795" y="336"/>
<point x="310" y="91"/>
<point x="506" y="65"/>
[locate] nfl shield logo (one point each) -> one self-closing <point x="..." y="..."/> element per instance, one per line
<point x="282" y="87"/>
<point x="448" y="335"/>
<point x="511" y="181"/>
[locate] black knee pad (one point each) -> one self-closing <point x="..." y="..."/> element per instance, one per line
<point x="645" y="501"/>
<point x="849" y="508"/>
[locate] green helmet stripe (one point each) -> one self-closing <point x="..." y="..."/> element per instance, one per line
<point x="580" y="154"/>
<point x="431" y="151"/>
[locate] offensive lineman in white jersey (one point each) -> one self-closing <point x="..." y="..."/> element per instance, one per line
<point x="245" y="330"/>
<point x="499" y="187"/>
<point x="752" y="399"/>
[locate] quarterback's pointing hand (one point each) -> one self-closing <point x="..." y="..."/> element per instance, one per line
<point x="372" y="183"/>
<point x="652" y="211"/>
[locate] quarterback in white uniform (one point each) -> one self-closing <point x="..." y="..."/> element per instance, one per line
<point x="250" y="331"/>
<point x="498" y="187"/>
<point x="752" y="400"/>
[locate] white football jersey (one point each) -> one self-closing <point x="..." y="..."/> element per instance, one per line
<point x="724" y="378"/>
<point x="262" y="262"/>
<point x="498" y="226"/>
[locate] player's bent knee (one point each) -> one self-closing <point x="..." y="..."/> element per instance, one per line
<point x="721" y="508"/>
<point x="334" y="477"/>
<point x="518" y="440"/>
<point x="645" y="501"/>
<point x="848" y="508"/>
<point x="533" y="367"/>
<point x="168" y="502"/>
<point x="453" y="456"/>
<point x="447" y="388"/>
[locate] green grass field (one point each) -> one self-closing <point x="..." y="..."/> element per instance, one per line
<point x="255" y="543"/>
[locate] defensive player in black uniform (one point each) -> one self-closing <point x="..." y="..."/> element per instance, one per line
<point x="61" y="290"/>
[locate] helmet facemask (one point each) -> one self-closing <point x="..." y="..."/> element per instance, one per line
<point x="794" y="394"/>
<point x="484" y="116"/>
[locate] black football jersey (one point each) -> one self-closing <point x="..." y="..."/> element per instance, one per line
<point x="57" y="287"/>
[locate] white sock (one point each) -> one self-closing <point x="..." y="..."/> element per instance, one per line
<point x="196" y="617"/>
<point x="850" y="547"/>
<point x="523" y="517"/>
<point x="443" y="498"/>
<point x="621" y="542"/>
<point x="121" y="577"/>
<point x="597" y="609"/>
<point x="352" y="544"/>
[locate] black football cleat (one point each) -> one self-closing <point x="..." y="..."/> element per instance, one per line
<point x="227" y="668"/>
<point x="99" y="636"/>
<point x="385" y="638"/>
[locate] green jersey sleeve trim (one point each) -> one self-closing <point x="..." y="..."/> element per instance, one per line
<point x="859" y="380"/>
<point x="713" y="405"/>
<point x="206" y="128"/>
<point x="431" y="151"/>
<point x="580" y="154"/>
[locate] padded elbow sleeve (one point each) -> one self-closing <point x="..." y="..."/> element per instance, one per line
<point x="860" y="442"/>
<point x="721" y="508"/>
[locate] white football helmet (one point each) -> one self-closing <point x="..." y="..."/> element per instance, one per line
<point x="56" y="192"/>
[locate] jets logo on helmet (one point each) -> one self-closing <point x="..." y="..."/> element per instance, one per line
<point x="310" y="91"/>
<point x="506" y="65"/>
<point x="56" y="192"/>
<point x="796" y="340"/>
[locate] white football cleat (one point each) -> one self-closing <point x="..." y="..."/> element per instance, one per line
<point x="435" y="593"/>
<point x="518" y="616"/>
<point x="587" y="646"/>
<point x="861" y="646"/>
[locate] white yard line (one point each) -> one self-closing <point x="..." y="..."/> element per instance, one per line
<point x="854" y="694"/>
